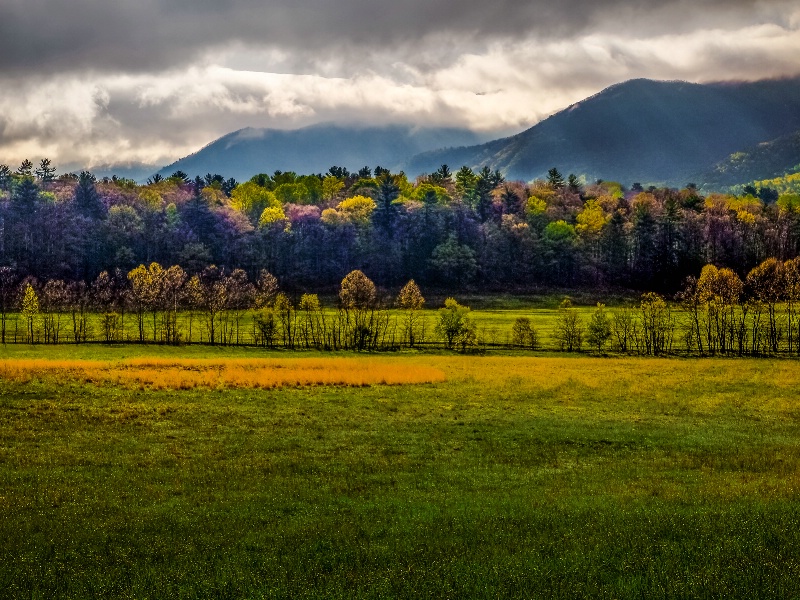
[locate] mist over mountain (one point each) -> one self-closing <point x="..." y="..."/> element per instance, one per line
<point x="660" y="132"/>
<point x="315" y="149"/>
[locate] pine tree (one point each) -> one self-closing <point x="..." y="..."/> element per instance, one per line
<point x="555" y="178"/>
<point x="87" y="200"/>
<point x="46" y="171"/>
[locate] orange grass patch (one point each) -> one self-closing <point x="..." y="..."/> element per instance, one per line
<point x="188" y="373"/>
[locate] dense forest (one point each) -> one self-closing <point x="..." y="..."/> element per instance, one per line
<point x="244" y="261"/>
<point x="447" y="230"/>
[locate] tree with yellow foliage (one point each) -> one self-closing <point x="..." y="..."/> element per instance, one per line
<point x="455" y="325"/>
<point x="767" y="282"/>
<point x="145" y="292"/>
<point x="251" y="199"/>
<point x="29" y="308"/>
<point x="270" y="215"/>
<point x="599" y="329"/>
<point x="410" y="300"/>
<point x="357" y="209"/>
<point x="331" y="188"/>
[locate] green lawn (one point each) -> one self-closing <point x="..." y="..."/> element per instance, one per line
<point x="493" y="325"/>
<point x="523" y="477"/>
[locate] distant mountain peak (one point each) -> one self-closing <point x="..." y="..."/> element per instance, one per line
<point x="650" y="131"/>
<point x="640" y="130"/>
<point x="315" y="148"/>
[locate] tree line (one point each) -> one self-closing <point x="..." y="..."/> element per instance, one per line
<point x="717" y="313"/>
<point x="446" y="230"/>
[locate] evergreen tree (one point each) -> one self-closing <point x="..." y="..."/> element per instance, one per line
<point x="87" y="201"/>
<point x="484" y="185"/>
<point x="386" y="211"/>
<point x="25" y="196"/>
<point x="25" y="169"/>
<point x="46" y="171"/>
<point x="555" y="178"/>
<point x="614" y="248"/>
<point x="5" y="177"/>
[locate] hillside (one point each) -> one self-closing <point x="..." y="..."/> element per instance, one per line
<point x="640" y="130"/>
<point x="767" y="160"/>
<point x="314" y="149"/>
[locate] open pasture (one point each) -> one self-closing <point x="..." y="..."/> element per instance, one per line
<point x="493" y="326"/>
<point x="556" y="477"/>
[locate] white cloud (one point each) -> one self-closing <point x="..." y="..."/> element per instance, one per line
<point x="95" y="118"/>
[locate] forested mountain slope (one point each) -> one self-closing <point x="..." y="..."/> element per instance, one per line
<point x="766" y="160"/>
<point x="640" y="131"/>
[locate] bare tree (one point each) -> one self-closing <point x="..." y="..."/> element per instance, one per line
<point x="658" y="324"/>
<point x="52" y="301"/>
<point x="8" y="296"/>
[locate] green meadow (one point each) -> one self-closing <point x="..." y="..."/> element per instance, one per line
<point x="517" y="477"/>
<point x="493" y="325"/>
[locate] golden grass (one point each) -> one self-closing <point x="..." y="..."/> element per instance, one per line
<point x="629" y="383"/>
<point x="187" y="373"/>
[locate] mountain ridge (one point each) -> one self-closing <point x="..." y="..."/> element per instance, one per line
<point x="640" y="130"/>
<point x="611" y="134"/>
<point x="315" y="148"/>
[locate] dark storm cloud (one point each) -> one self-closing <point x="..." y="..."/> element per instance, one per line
<point x="99" y="81"/>
<point x="148" y="35"/>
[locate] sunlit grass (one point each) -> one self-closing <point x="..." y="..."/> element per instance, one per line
<point x="514" y="477"/>
<point x="190" y="373"/>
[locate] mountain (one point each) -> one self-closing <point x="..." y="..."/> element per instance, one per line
<point x="648" y="131"/>
<point x="315" y="149"/>
<point x="762" y="161"/>
<point x="137" y="171"/>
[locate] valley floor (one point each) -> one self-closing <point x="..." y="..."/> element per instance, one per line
<point x="548" y="477"/>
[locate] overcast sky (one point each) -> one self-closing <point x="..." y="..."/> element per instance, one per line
<point x="93" y="82"/>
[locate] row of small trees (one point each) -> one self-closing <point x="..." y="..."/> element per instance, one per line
<point x="169" y="307"/>
<point x="717" y="313"/>
<point x="647" y="329"/>
<point x="720" y="314"/>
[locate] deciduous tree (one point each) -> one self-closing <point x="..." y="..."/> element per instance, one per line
<point x="455" y="326"/>
<point x="411" y="301"/>
<point x="8" y="292"/>
<point x="145" y="293"/>
<point x="658" y="324"/>
<point x="598" y="332"/>
<point x="29" y="309"/>
<point x="767" y="283"/>
<point x="568" y="331"/>
<point x="524" y="334"/>
<point x="357" y="297"/>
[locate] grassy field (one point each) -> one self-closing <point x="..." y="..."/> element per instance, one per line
<point x="523" y="477"/>
<point x="493" y="325"/>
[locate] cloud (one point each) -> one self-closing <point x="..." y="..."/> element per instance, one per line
<point x="91" y="82"/>
<point x="145" y="35"/>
